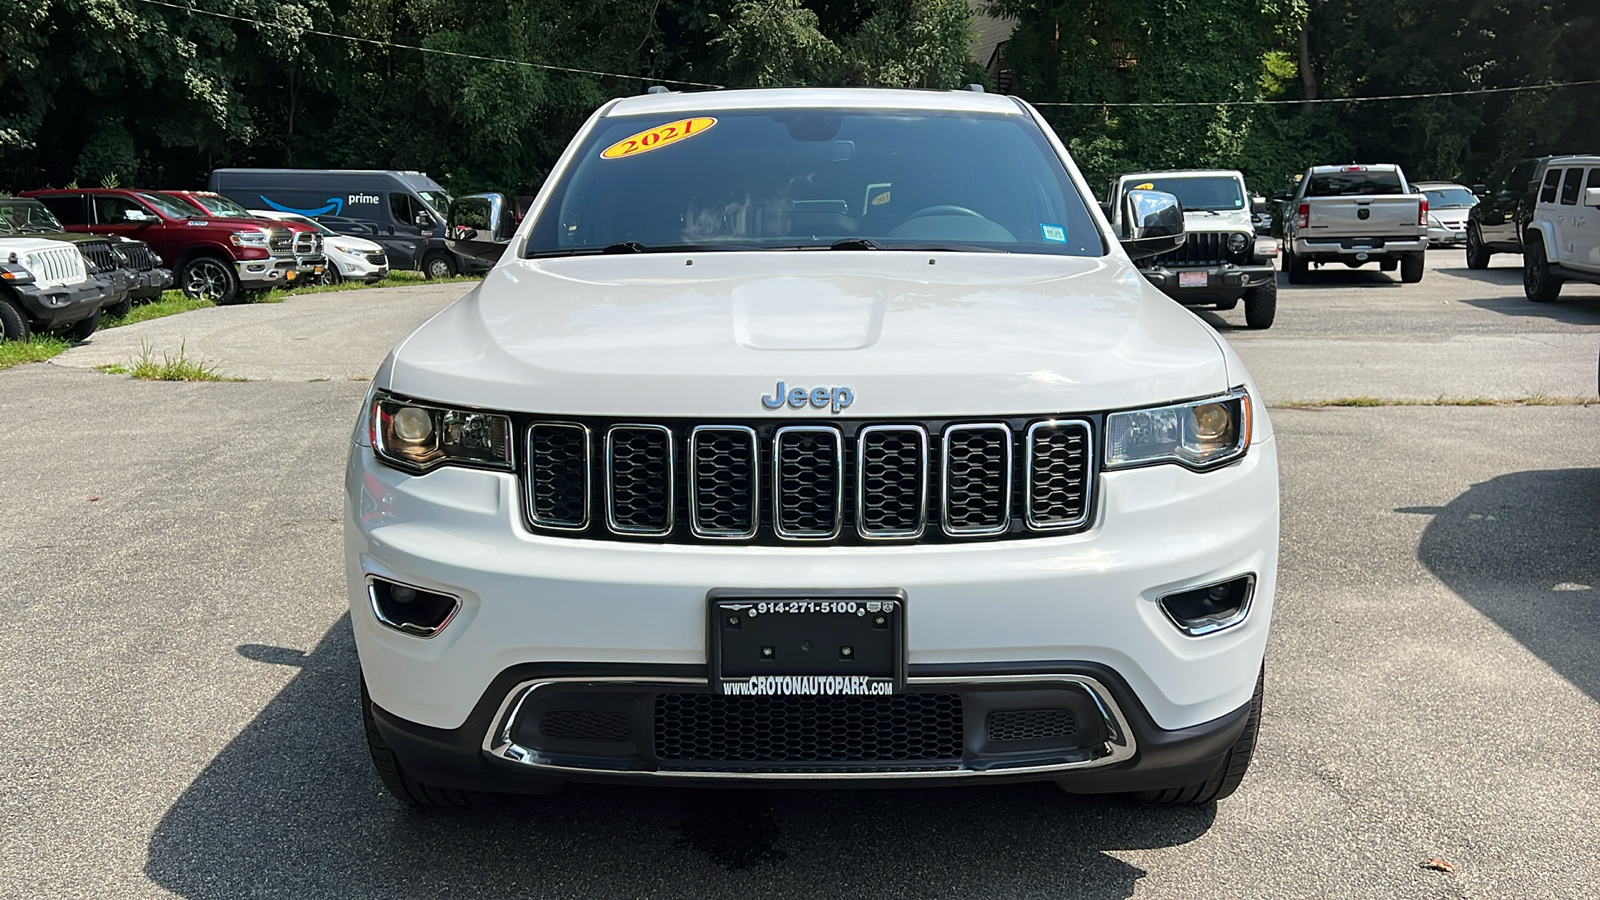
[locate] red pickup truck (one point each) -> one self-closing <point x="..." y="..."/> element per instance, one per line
<point x="307" y="241"/>
<point x="220" y="259"/>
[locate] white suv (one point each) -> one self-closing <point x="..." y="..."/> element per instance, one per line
<point x="821" y="436"/>
<point x="1562" y="240"/>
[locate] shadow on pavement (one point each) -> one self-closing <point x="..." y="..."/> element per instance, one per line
<point x="291" y="808"/>
<point x="1571" y="310"/>
<point x="1369" y="276"/>
<point x="1524" y="549"/>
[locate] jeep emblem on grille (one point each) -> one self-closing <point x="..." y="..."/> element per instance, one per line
<point x="839" y="398"/>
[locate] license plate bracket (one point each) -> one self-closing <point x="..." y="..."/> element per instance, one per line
<point x="1192" y="279"/>
<point x="806" y="643"/>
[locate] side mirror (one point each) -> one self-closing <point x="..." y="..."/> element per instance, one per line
<point x="1478" y="190"/>
<point x="480" y="226"/>
<point x="1152" y="223"/>
<point x="1591" y="197"/>
<point x="424" y="221"/>
<point x="136" y="215"/>
<point x="1258" y="205"/>
<point x="1279" y="195"/>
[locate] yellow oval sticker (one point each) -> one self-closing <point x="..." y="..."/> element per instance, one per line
<point x="1147" y="186"/>
<point x="657" y="137"/>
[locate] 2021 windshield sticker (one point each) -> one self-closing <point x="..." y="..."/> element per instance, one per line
<point x="658" y="137"/>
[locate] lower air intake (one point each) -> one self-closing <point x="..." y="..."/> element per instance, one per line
<point x="803" y="730"/>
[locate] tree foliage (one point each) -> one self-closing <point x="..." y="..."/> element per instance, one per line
<point x="148" y="93"/>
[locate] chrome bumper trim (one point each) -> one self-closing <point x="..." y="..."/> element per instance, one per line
<point x="1119" y="744"/>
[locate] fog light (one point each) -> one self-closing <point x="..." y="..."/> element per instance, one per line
<point x="1210" y="608"/>
<point x="411" y="610"/>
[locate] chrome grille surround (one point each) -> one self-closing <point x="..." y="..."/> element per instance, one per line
<point x="800" y="455"/>
<point x="727" y="508"/>
<point x="280" y="241"/>
<point x="875" y="444"/>
<point x="642" y="503"/>
<point x="975" y="456"/>
<point x="1052" y="470"/>
<point x="307" y="243"/>
<point x="850" y="481"/>
<point x="562" y="452"/>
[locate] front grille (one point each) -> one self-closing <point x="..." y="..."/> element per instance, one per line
<point x="307" y="243"/>
<point x="136" y="255"/>
<point x="692" y="728"/>
<point x="377" y="259"/>
<point x="99" y="256"/>
<point x="1200" y="248"/>
<point x="280" y="241"/>
<point x="52" y="267"/>
<point x="977" y="497"/>
<point x="584" y="725"/>
<point x="808" y="482"/>
<point x="1032" y="724"/>
<point x="849" y="482"/>
<point x="639" y="479"/>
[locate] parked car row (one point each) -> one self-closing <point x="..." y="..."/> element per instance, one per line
<point x="1547" y="210"/>
<point x="62" y="282"/>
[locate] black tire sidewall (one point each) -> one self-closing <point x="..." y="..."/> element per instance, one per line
<point x="1261" y="306"/>
<point x="13" y="322"/>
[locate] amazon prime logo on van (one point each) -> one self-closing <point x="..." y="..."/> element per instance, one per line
<point x="837" y="398"/>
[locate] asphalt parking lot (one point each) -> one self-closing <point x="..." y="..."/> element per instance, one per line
<point x="178" y="711"/>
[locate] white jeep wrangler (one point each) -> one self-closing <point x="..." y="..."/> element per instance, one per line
<point x="1562" y="240"/>
<point x="816" y="436"/>
<point x="46" y="288"/>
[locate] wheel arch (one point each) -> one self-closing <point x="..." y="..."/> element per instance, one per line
<point x="1541" y="232"/>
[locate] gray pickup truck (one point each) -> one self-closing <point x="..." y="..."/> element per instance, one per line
<point x="1355" y="215"/>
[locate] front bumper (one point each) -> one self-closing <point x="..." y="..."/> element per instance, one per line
<point x="504" y="746"/>
<point x="308" y="269"/>
<point x="258" y="274"/>
<point x="1221" y="282"/>
<point x="62" y="306"/>
<point x="360" y="266"/>
<point x="1448" y="235"/>
<point x="1089" y="597"/>
<point x="150" y="284"/>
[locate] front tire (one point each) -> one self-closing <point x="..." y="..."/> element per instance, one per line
<point x="13" y="323"/>
<point x="394" y="777"/>
<point x="1477" y="254"/>
<point x="331" y="274"/>
<point x="1411" y="269"/>
<point x="1228" y="775"/>
<point x="1299" y="270"/>
<point x="438" y="266"/>
<point x="1261" y="305"/>
<point x="118" y="310"/>
<point x="80" y="331"/>
<point x="209" y="278"/>
<point x="1537" y="281"/>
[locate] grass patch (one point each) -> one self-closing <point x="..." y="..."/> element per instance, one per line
<point x="169" y="368"/>
<point x="1364" y="401"/>
<point x="170" y="303"/>
<point x="35" y="349"/>
<point x="403" y="278"/>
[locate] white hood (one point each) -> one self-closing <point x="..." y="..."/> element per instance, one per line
<point x="1221" y="220"/>
<point x="911" y="334"/>
<point x="357" y="244"/>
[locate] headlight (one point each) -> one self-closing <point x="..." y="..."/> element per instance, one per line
<point x="344" y="249"/>
<point x="419" y="436"/>
<point x="1199" y="435"/>
<point x="1237" y="242"/>
<point x="249" y="238"/>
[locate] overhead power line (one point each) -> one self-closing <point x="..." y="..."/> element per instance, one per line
<point x="1473" y="93"/>
<point x="393" y="46"/>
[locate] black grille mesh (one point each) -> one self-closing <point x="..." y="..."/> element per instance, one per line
<point x="136" y="255"/>
<point x="1058" y="476"/>
<point x="1200" y="248"/>
<point x="377" y="258"/>
<point x="99" y="256"/>
<point x="280" y="241"/>
<point x="1032" y="724"/>
<point x="808" y="482"/>
<point x="705" y="727"/>
<point x="892" y="477"/>
<point x="584" y="725"/>
<point x="641" y="478"/>
<point x="725" y="481"/>
<point x="976" y="475"/>
<point x="558" y="474"/>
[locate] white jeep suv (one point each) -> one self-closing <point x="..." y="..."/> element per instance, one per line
<point x="1562" y="240"/>
<point x="822" y="436"/>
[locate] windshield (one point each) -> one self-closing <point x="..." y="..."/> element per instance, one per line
<point x="170" y="206"/>
<point x="222" y="206"/>
<point x="794" y="179"/>
<point x="1355" y="183"/>
<point x="21" y="217"/>
<point x="1195" y="193"/>
<point x="439" y="200"/>
<point x="1450" y="198"/>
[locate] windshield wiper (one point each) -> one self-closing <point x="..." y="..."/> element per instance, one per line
<point x="624" y="247"/>
<point x="857" y="243"/>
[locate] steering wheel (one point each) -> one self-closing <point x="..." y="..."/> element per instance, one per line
<point x="945" y="210"/>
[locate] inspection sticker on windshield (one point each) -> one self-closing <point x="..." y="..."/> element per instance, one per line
<point x="1053" y="233"/>
<point x="657" y="137"/>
